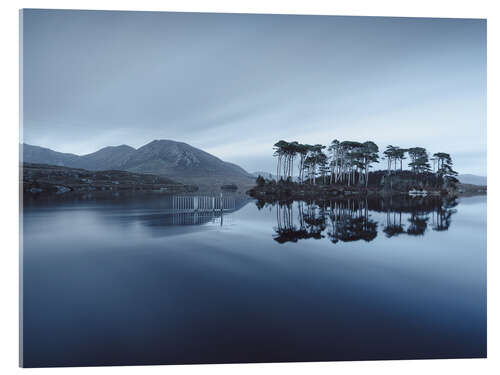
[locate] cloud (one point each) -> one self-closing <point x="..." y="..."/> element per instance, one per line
<point x="235" y="84"/>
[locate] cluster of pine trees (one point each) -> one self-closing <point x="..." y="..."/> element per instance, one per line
<point x="349" y="162"/>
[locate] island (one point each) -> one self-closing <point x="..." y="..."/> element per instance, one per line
<point x="344" y="170"/>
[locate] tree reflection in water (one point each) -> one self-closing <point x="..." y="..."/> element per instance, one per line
<point x="350" y="220"/>
<point x="443" y="215"/>
<point x="311" y="222"/>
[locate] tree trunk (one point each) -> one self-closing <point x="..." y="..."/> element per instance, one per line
<point x="367" y="166"/>
<point x="278" y="170"/>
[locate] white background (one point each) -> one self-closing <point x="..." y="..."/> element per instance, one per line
<point x="9" y="139"/>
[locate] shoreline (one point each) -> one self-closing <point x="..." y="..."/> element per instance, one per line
<point x="305" y="192"/>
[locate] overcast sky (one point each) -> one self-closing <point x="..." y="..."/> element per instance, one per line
<point x="233" y="85"/>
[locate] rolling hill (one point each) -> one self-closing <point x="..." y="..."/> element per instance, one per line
<point x="472" y="179"/>
<point x="177" y="160"/>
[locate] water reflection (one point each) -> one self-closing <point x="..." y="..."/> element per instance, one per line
<point x="359" y="218"/>
<point x="161" y="214"/>
<point x="141" y="280"/>
<point x="344" y="220"/>
<point x="191" y="210"/>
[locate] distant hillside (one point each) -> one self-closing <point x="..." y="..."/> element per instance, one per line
<point x="161" y="157"/>
<point x="472" y="179"/>
<point x="48" y="179"/>
<point x="41" y="155"/>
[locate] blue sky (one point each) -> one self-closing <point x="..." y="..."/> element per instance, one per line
<point x="235" y="84"/>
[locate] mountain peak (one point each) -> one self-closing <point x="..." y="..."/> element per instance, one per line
<point x="124" y="147"/>
<point x="160" y="156"/>
<point x="120" y="147"/>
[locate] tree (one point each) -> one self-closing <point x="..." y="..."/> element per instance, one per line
<point x="302" y="150"/>
<point x="286" y="153"/>
<point x="318" y="158"/>
<point x="434" y="160"/>
<point x="349" y="162"/>
<point x="260" y="181"/>
<point x="350" y="159"/>
<point x="419" y="159"/>
<point x="291" y="151"/>
<point x="315" y="157"/>
<point x="279" y="152"/>
<point x="334" y="151"/>
<point x="443" y="161"/>
<point x="391" y="155"/>
<point x="445" y="173"/>
<point x="400" y="155"/>
<point x="369" y="153"/>
<point x="322" y="162"/>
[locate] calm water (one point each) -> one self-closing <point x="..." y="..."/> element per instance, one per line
<point x="146" y="280"/>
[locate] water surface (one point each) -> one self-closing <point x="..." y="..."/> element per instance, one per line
<point x="154" y="280"/>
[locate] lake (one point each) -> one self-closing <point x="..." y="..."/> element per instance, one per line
<point x="155" y="279"/>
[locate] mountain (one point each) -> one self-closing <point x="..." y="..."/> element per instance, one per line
<point x="180" y="159"/>
<point x="41" y="155"/>
<point x="106" y="158"/>
<point x="160" y="157"/>
<point x="472" y="179"/>
<point x="112" y="157"/>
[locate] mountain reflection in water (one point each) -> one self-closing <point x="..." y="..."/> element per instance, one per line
<point x="151" y="209"/>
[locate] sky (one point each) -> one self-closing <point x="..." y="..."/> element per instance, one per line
<point x="234" y="84"/>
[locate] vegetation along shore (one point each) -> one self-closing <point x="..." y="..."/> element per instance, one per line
<point x="344" y="169"/>
<point x="50" y="179"/>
